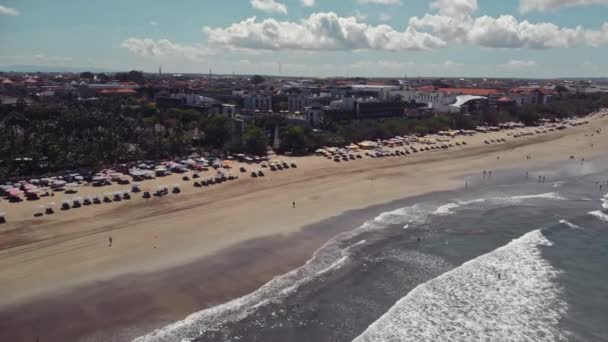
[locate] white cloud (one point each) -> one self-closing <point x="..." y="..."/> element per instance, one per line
<point x="269" y="6"/>
<point x="308" y="3"/>
<point x="380" y="2"/>
<point x="454" y="8"/>
<point x="385" y="17"/>
<point x="547" y="5"/>
<point x="520" y="64"/>
<point x="8" y="11"/>
<point x="457" y="24"/>
<point x="320" y="31"/>
<point x="154" y="23"/>
<point x="164" y="48"/>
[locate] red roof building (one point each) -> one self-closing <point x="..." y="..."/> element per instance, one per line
<point x="471" y="91"/>
<point x="119" y="91"/>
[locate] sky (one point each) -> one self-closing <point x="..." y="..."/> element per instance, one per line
<point x="374" y="38"/>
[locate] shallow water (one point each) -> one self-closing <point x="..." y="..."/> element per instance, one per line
<point x="505" y="259"/>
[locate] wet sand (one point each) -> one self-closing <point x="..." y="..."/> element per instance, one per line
<point x="61" y="282"/>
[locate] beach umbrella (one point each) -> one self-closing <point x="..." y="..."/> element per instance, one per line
<point x="30" y="187"/>
<point x="59" y="183"/>
<point x="15" y="192"/>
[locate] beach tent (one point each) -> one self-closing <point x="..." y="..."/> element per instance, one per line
<point x="368" y="145"/>
<point x="58" y="184"/>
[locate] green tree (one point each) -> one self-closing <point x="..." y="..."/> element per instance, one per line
<point x="217" y="131"/>
<point x="295" y="140"/>
<point x="103" y="77"/>
<point x="255" y="141"/>
<point x="87" y="75"/>
<point x="528" y="115"/>
<point x="257" y="79"/>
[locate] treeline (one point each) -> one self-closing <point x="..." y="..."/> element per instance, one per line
<point x="302" y="140"/>
<point x="48" y="137"/>
<point x="51" y="137"/>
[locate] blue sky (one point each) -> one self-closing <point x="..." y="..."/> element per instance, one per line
<point x="519" y="38"/>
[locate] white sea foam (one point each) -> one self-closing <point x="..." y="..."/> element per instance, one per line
<point x="570" y="224"/>
<point x="330" y="257"/>
<point x="470" y="303"/>
<point x="604" y="201"/>
<point x="600" y="215"/>
<point x="446" y="209"/>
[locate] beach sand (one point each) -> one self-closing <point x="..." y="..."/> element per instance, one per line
<point x="172" y="256"/>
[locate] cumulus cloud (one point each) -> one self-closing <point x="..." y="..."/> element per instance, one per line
<point x="457" y="24"/>
<point x="380" y="2"/>
<point x="164" y="48"/>
<point x="8" y="11"/>
<point x="320" y="31"/>
<point x="455" y="8"/>
<point x="269" y="6"/>
<point x="307" y="3"/>
<point x="547" y="5"/>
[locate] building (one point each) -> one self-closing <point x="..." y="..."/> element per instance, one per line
<point x="229" y="111"/>
<point x="297" y="103"/>
<point x="86" y="90"/>
<point x="258" y="102"/>
<point x="469" y="104"/>
<point x="377" y="110"/>
<point x="380" y="92"/>
<point x="314" y="114"/>
<point x="433" y="99"/>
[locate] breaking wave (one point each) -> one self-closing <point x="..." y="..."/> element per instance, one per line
<point x="600" y="215"/>
<point x="332" y="256"/>
<point x="508" y="292"/>
<point x="570" y="224"/>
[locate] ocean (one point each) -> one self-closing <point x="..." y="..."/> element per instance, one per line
<point x="505" y="258"/>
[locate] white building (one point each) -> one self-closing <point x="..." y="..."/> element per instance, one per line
<point x="439" y="101"/>
<point x="381" y="92"/>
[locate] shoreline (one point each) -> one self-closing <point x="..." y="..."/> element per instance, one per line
<point x="200" y="232"/>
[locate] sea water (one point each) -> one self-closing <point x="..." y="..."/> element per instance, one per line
<point x="506" y="259"/>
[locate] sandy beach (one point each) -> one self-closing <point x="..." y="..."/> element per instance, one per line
<point x="61" y="281"/>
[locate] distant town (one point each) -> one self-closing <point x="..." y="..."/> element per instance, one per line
<point x="107" y="118"/>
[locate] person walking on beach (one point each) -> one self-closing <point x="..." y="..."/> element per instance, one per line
<point x="110" y="240"/>
<point x="294" y="204"/>
<point x="540" y="178"/>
